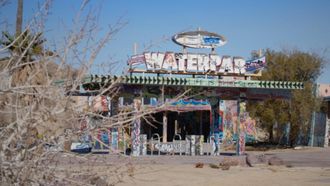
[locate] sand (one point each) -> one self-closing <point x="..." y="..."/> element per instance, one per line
<point x="308" y="166"/>
<point x="260" y="175"/>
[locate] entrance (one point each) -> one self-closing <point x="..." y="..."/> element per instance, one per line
<point x="183" y="123"/>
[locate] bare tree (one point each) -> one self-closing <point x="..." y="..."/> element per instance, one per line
<point x="36" y="110"/>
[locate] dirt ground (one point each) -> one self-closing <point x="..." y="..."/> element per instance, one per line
<point x="260" y="175"/>
<point x="306" y="166"/>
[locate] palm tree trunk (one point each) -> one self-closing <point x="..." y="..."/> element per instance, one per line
<point x="19" y="17"/>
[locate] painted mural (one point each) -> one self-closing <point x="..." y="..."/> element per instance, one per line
<point x="106" y="138"/>
<point x="228" y="115"/>
<point x="229" y="119"/>
<point x="136" y="142"/>
<point x="241" y="132"/>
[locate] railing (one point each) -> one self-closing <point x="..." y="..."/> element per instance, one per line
<point x="152" y="143"/>
<point x="180" y="143"/>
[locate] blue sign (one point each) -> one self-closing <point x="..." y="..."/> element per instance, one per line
<point x="211" y="40"/>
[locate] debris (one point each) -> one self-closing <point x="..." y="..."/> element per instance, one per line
<point x="248" y="160"/>
<point x="99" y="181"/>
<point x="214" y="166"/>
<point x="225" y="167"/>
<point x="199" y="165"/>
<point x="298" y="148"/>
<point x="81" y="147"/>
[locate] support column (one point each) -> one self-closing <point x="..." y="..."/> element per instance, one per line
<point x="200" y="122"/>
<point x="240" y="128"/>
<point x="136" y="142"/>
<point x="165" y="127"/>
<point x="327" y="132"/>
<point x="215" y="127"/>
<point x="113" y="111"/>
<point x="176" y="127"/>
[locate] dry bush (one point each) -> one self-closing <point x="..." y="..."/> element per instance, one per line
<point x="38" y="116"/>
<point x="35" y="112"/>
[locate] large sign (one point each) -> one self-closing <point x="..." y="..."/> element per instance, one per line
<point x="199" y="39"/>
<point x="194" y="63"/>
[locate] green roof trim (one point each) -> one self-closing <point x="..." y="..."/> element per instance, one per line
<point x="193" y="82"/>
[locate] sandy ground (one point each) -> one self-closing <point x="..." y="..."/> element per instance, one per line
<point x="307" y="166"/>
<point x="261" y="175"/>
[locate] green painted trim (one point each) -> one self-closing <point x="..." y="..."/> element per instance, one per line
<point x="193" y="82"/>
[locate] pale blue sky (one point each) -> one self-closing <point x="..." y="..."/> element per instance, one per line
<point x="247" y="24"/>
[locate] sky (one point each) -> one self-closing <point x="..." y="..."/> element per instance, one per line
<point x="247" y="24"/>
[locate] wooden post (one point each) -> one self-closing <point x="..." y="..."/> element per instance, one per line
<point x="175" y="126"/>
<point x="165" y="127"/>
<point x="201" y="123"/>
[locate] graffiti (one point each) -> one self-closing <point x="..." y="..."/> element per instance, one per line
<point x="228" y="108"/>
<point x="187" y="105"/>
<point x="241" y="146"/>
<point x="136" y="129"/>
<point x="100" y="103"/>
<point x="188" y="62"/>
<point x="242" y="118"/>
<point x="251" y="66"/>
<point x="114" y="138"/>
<point x="103" y="140"/>
<point x="171" y="147"/>
<point x="194" y="145"/>
<point x="229" y="116"/>
<point x="250" y="128"/>
<point x="143" y="146"/>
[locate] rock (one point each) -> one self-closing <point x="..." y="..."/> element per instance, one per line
<point x="275" y="161"/>
<point x="248" y="160"/>
<point x="213" y="166"/>
<point x="230" y="162"/>
<point x="199" y="165"/>
<point x="225" y="167"/>
<point x="98" y="181"/>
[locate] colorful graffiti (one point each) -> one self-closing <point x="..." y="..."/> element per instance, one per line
<point x="252" y="66"/>
<point x="229" y="118"/>
<point x="189" y="62"/>
<point x="103" y="140"/>
<point x="241" y="130"/>
<point x="185" y="105"/>
<point x="171" y="147"/>
<point x="136" y="142"/>
<point x="228" y="114"/>
<point x="194" y="145"/>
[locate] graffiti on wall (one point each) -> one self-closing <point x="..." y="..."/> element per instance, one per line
<point x="187" y="105"/>
<point x="171" y="147"/>
<point x="228" y="110"/>
<point x="136" y="142"/>
<point x="103" y="140"/>
<point x="106" y="138"/>
<point x="241" y="132"/>
<point x="229" y="116"/>
<point x="194" y="145"/>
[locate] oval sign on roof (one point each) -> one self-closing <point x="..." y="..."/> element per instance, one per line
<point x="199" y="39"/>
